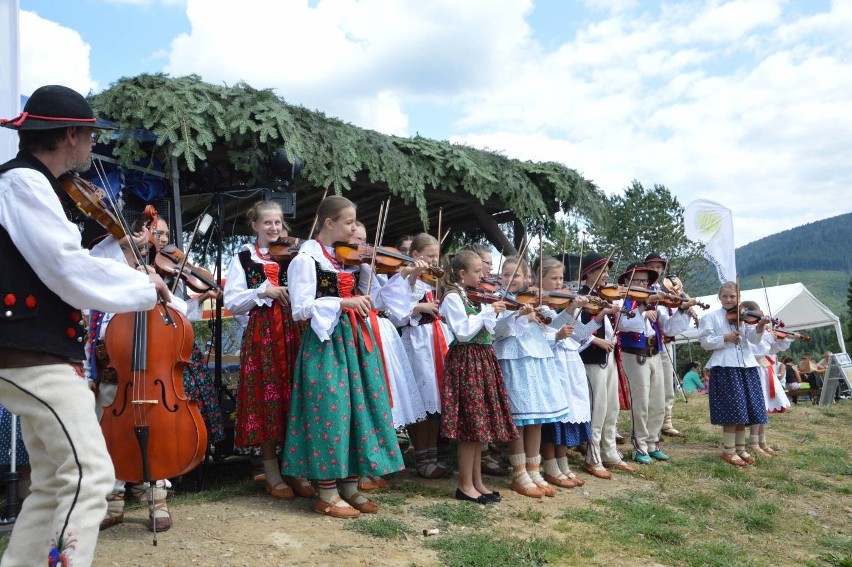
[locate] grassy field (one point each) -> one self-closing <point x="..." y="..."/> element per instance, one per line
<point x="695" y="511"/>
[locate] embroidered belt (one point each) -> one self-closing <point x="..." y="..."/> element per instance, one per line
<point x="646" y="352"/>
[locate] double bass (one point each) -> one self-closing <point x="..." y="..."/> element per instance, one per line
<point x="148" y="352"/>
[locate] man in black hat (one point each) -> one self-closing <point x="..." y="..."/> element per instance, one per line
<point x="46" y="279"/>
<point x="640" y="339"/>
<point x="601" y="373"/>
<point x="659" y="264"/>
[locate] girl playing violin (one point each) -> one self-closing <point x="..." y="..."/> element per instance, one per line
<point x="773" y="393"/>
<point x="490" y="465"/>
<point x="256" y="293"/>
<point x="341" y="426"/>
<point x="534" y="391"/>
<point x="735" y="395"/>
<point x="391" y="299"/>
<point x="566" y="340"/>
<point x="474" y="404"/>
<point x="426" y="339"/>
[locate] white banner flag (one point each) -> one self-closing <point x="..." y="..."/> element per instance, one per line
<point x="713" y="224"/>
<point x="10" y="76"/>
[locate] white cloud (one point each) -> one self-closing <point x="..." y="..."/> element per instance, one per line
<point x="755" y="115"/>
<point x="52" y="54"/>
<point x="352" y="59"/>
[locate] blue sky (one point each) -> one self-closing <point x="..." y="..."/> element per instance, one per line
<point x="744" y="102"/>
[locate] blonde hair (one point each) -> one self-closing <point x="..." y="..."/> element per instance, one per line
<point x="331" y="208"/>
<point x="523" y="267"/>
<point x="549" y="263"/>
<point x="261" y="206"/>
<point x="421" y="241"/>
<point x="729" y="285"/>
<point x="455" y="263"/>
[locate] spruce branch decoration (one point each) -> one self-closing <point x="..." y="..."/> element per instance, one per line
<point x="193" y="120"/>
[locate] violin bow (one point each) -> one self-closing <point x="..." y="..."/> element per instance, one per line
<point x="540" y="262"/>
<point x="580" y="263"/>
<point x="316" y="216"/>
<point x="380" y="228"/>
<point x="518" y="263"/>
<point x="167" y="319"/>
<point x="440" y="244"/>
<point x="768" y="307"/>
<point x="629" y="284"/>
<point x="206" y="219"/>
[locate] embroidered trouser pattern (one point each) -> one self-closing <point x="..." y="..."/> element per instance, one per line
<point x="71" y="470"/>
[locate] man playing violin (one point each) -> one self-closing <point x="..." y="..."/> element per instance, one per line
<point x="657" y="263"/>
<point x="46" y="280"/>
<point x="640" y="340"/>
<point x="598" y="358"/>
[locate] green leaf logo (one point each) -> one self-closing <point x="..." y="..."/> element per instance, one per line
<point x="709" y="223"/>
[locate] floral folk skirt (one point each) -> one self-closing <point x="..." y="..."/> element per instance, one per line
<point x="198" y="385"/>
<point x="475" y="406"/>
<point x="340" y="420"/>
<point x="270" y="344"/>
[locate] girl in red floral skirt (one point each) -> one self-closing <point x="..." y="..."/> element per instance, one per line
<point x="474" y="404"/>
<point x="256" y="287"/>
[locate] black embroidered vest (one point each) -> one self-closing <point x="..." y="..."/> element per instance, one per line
<point x="255" y="275"/>
<point x="593" y="354"/>
<point x="33" y="317"/>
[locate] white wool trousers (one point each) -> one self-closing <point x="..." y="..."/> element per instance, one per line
<point x="603" y="387"/>
<point x="647" y="399"/>
<point x="668" y="384"/>
<point x="72" y="472"/>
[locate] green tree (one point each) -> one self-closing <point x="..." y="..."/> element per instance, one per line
<point x="641" y="221"/>
<point x="848" y="339"/>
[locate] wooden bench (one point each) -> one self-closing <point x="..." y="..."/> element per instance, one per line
<point x="814" y="394"/>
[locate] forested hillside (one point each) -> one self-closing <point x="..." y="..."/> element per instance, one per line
<point x="818" y="254"/>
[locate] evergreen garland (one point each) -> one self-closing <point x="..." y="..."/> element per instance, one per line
<point x="192" y="119"/>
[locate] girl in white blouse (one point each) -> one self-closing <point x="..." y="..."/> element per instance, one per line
<point x="736" y="398"/>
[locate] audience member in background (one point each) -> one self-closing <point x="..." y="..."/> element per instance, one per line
<point x="692" y="380"/>
<point x="811" y="372"/>
<point x="792" y="377"/>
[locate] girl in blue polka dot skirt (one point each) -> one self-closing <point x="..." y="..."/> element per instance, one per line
<point x="736" y="398"/>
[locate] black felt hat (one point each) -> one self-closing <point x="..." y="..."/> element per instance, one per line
<point x="654" y="257"/>
<point x="638" y="267"/>
<point x="54" y="106"/>
<point x="593" y="261"/>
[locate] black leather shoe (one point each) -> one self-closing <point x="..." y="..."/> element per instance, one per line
<point x="465" y="498"/>
<point x="492" y="497"/>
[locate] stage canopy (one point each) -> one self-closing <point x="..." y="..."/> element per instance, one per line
<point x="792" y="303"/>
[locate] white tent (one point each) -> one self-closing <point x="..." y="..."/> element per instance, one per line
<point x="792" y="303"/>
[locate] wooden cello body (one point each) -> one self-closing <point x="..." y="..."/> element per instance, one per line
<point x="150" y="405"/>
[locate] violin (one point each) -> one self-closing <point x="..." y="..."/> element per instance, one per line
<point x="779" y="334"/>
<point x="790" y="335"/>
<point x="748" y="316"/>
<point x="479" y="295"/>
<point x="91" y="200"/>
<point x="673" y="284"/>
<point x="388" y="260"/>
<point x="285" y="249"/>
<point x="167" y="262"/>
<point x="491" y="284"/>
<point x="611" y="292"/>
